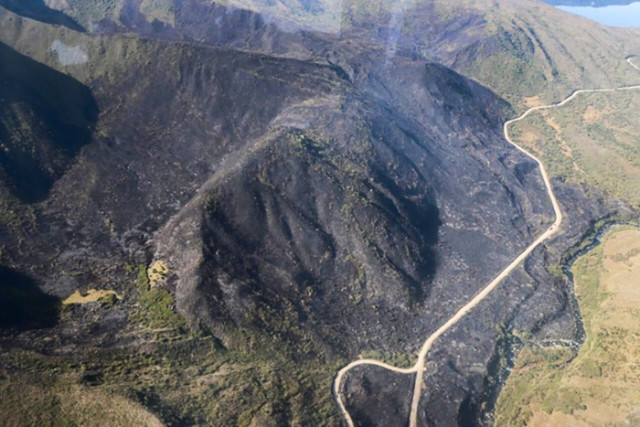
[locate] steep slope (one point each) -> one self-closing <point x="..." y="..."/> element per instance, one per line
<point x="46" y="117"/>
<point x="344" y="211"/>
<point x="519" y="49"/>
<point x="304" y="197"/>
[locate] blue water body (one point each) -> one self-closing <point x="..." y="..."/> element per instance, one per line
<point x="616" y="16"/>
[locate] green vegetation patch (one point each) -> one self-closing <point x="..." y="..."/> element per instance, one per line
<point x="183" y="382"/>
<point x="156" y="306"/>
<point x="87" y="12"/>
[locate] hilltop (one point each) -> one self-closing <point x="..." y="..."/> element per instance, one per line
<point x="260" y="200"/>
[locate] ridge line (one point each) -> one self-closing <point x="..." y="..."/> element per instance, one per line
<point x="418" y="367"/>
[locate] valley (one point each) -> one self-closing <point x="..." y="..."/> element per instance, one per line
<point x="208" y="208"/>
<point x="419" y="366"/>
<point x="598" y="384"/>
<point x="597" y="136"/>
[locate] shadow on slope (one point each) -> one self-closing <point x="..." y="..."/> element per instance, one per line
<point x="23" y="306"/>
<point x="38" y="10"/>
<point x="45" y="118"/>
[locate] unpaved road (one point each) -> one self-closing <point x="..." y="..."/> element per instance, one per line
<point x="418" y="368"/>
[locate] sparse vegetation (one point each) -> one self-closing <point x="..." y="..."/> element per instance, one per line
<point x="592" y="140"/>
<point x="601" y="382"/>
<point x="161" y="10"/>
<point x="156" y="306"/>
<point x="88" y="12"/>
<point x="183" y="382"/>
<point x="62" y="402"/>
<point x="92" y="295"/>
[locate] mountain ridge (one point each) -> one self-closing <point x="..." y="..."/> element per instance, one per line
<point x="345" y="211"/>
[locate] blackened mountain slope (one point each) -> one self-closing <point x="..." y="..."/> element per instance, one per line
<point x="315" y="231"/>
<point x="327" y="209"/>
<point x="335" y="215"/>
<point x="45" y="117"/>
<point x="160" y="139"/>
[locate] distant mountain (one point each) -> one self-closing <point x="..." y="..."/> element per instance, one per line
<point x="507" y="46"/>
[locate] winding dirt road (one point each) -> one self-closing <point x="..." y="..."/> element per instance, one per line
<point x="419" y="368"/>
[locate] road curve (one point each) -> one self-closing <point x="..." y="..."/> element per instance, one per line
<point x="419" y="368"/>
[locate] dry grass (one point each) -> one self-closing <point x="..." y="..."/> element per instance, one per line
<point x="161" y="10"/>
<point x="157" y="272"/>
<point x="592" y="140"/>
<point x="62" y="403"/>
<point x="93" y="295"/>
<point x="601" y="384"/>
